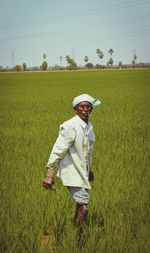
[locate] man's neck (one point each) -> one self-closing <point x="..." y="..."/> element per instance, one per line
<point x="85" y="120"/>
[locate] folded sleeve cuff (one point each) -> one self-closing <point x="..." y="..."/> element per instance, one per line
<point x="50" y="172"/>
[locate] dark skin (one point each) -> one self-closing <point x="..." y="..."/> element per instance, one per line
<point x="83" y="110"/>
<point x="48" y="183"/>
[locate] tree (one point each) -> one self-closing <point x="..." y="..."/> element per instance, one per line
<point x="86" y="59"/>
<point x="100" y="54"/>
<point x="89" y="65"/>
<point x="68" y="59"/>
<point x="44" y="65"/>
<point x="44" y="56"/>
<point x="98" y="66"/>
<point x="71" y="63"/>
<point x="110" y="51"/>
<point x="110" y="62"/>
<point x="24" y="66"/>
<point x="18" y="68"/>
<point x="98" y="51"/>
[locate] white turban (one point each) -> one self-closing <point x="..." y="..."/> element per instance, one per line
<point x="85" y="97"/>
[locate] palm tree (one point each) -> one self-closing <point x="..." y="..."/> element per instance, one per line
<point x="110" y="51"/>
<point x="71" y="63"/>
<point x="86" y="59"/>
<point x="100" y="54"/>
<point x="44" y="56"/>
<point x="68" y="59"/>
<point x="98" y="51"/>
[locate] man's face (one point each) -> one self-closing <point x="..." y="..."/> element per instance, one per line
<point x="83" y="110"/>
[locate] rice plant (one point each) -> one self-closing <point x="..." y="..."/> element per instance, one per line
<point x="32" y="106"/>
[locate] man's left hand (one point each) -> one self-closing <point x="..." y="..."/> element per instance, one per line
<point x="91" y="176"/>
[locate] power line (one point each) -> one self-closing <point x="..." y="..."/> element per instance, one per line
<point x="98" y="37"/>
<point x="113" y="22"/>
<point x="82" y="13"/>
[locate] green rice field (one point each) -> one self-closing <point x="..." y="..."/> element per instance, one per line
<point x="32" y="106"/>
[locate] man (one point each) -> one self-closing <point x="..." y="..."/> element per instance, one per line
<point x="71" y="155"/>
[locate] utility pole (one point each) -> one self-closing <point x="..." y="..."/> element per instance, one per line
<point x="134" y="56"/>
<point x="61" y="61"/>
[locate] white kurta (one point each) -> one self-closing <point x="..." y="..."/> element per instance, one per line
<point x="71" y="153"/>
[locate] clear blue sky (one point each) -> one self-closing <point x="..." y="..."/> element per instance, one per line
<point x="30" y="28"/>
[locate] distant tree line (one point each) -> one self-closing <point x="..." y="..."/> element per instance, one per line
<point x="72" y="65"/>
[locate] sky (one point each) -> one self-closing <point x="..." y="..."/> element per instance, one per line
<point x="31" y="28"/>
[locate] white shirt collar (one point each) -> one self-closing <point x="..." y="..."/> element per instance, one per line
<point x="83" y="123"/>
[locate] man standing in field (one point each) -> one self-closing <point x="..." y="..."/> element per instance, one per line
<point x="71" y="155"/>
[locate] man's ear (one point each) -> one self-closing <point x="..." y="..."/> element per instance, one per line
<point x="75" y="108"/>
<point x="91" y="110"/>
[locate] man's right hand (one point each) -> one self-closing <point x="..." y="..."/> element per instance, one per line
<point x="48" y="183"/>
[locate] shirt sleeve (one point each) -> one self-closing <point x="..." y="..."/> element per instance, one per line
<point x="65" y="139"/>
